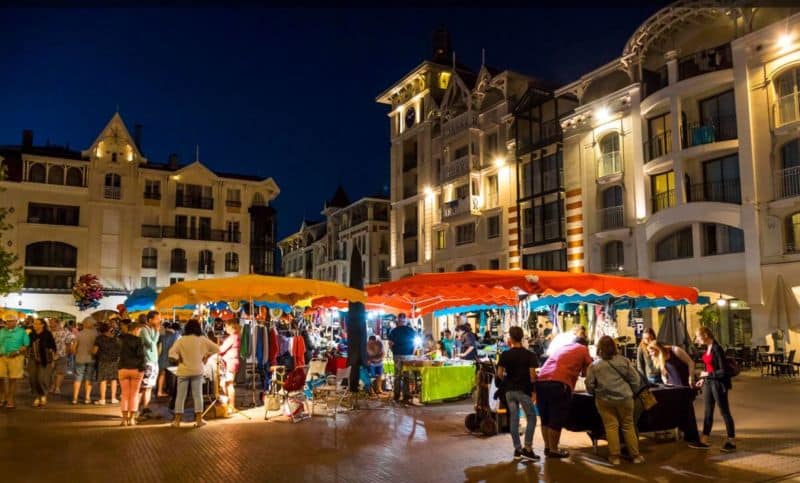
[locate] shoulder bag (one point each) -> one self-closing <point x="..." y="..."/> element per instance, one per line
<point x="644" y="395"/>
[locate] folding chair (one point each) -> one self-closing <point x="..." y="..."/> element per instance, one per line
<point x="334" y="391"/>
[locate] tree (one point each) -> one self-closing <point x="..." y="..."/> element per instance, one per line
<point x="11" y="276"/>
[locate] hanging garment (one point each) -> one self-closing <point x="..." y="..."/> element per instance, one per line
<point x="273" y="347"/>
<point x="264" y="339"/>
<point x="299" y="351"/>
<point x="259" y="343"/>
<point x="244" y="344"/>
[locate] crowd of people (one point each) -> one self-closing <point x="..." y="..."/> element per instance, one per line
<point x="616" y="383"/>
<point x="126" y="360"/>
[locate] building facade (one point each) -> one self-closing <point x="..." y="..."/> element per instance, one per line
<point x="453" y="183"/>
<point x="685" y="150"/>
<point x="109" y="211"/>
<point x="322" y="250"/>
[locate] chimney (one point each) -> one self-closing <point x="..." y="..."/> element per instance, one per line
<point x="27" y="138"/>
<point x="173" y="161"/>
<point x="137" y="136"/>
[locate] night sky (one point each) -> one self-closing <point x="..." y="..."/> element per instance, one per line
<point x="283" y="93"/>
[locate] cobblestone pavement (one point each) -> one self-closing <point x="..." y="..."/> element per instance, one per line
<point x="68" y="443"/>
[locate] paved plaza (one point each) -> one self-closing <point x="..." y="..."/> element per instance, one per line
<point x="68" y="443"/>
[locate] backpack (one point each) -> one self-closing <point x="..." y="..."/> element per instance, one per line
<point x="732" y="367"/>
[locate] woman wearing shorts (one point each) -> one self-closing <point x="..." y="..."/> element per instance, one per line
<point x="229" y="351"/>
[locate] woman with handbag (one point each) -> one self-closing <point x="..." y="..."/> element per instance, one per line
<point x="676" y="370"/>
<point x="716" y="380"/>
<point x="610" y="379"/>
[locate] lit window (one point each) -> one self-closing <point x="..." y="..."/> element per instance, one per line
<point x="444" y="80"/>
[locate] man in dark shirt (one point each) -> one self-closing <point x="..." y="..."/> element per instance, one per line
<point x="517" y="370"/>
<point x="469" y="344"/>
<point x="401" y="341"/>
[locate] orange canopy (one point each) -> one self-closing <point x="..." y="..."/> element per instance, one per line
<point x="428" y="292"/>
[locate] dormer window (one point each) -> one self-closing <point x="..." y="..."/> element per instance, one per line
<point x="113" y="157"/>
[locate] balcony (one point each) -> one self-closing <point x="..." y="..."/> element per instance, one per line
<point x="657" y="146"/>
<point x="198" y="202"/>
<point x="461" y="206"/>
<point x="787" y="182"/>
<point x="727" y="191"/>
<point x="609" y="164"/>
<point x="177" y="266"/>
<point x="459" y="123"/>
<point x="711" y="130"/>
<point x="233" y="203"/>
<point x="705" y="62"/>
<point x="611" y="218"/>
<point x="664" y="200"/>
<point x="786" y="110"/>
<point x="112" y="193"/>
<point x="614" y="269"/>
<point x="458" y="167"/>
<point x="150" y="195"/>
<point x="186" y="233"/>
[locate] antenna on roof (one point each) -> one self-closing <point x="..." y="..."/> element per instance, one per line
<point x="483" y="57"/>
<point x="197" y="154"/>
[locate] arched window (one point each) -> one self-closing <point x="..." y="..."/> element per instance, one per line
<point x="74" y="177"/>
<point x="612" y="211"/>
<point x="675" y="246"/>
<point x="205" y="264"/>
<point x="149" y="258"/>
<point x="177" y="261"/>
<point x="787" y="87"/>
<point x="613" y="257"/>
<point x="610" y="158"/>
<point x="258" y="200"/>
<point x="232" y="262"/>
<point x="113" y="187"/>
<point x="55" y="175"/>
<point x="51" y="254"/>
<point x="37" y="173"/>
<point x="719" y="239"/>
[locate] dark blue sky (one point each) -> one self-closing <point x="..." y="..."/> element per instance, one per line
<point x="282" y="93"/>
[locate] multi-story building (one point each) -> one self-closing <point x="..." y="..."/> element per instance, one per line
<point x="322" y="250"/>
<point x="109" y="211"/>
<point x="453" y="186"/>
<point x="686" y="151"/>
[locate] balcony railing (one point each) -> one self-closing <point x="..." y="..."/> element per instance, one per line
<point x="459" y="123"/>
<point x="791" y="246"/>
<point x="112" y="193"/>
<point x="612" y="217"/>
<point x="727" y="191"/>
<point x="177" y="266"/>
<point x="186" y="233"/>
<point x="609" y="163"/>
<point x="194" y="202"/>
<point x="233" y="203"/>
<point x="460" y="206"/>
<point x="458" y="167"/>
<point x="664" y="200"/>
<point x="552" y="229"/>
<point x="151" y="195"/>
<point x="614" y="269"/>
<point x="786" y="109"/>
<point x="149" y="261"/>
<point x="787" y="182"/>
<point x="654" y="80"/>
<point x="712" y="130"/>
<point x="658" y="146"/>
<point x="705" y="61"/>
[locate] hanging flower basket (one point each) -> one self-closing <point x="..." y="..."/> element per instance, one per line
<point x="87" y="292"/>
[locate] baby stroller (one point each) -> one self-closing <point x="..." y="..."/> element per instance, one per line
<point x="287" y="392"/>
<point x="491" y="413"/>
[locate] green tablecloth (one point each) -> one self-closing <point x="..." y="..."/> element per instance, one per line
<point x="446" y="382"/>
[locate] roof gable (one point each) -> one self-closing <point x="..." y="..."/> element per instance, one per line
<point x="115" y="133"/>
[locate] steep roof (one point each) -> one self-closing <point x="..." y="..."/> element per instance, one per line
<point x="339" y="200"/>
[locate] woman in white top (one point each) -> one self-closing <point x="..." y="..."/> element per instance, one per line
<point x="191" y="351"/>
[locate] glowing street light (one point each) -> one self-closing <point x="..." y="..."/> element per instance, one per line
<point x="500" y="161"/>
<point x="785" y="41"/>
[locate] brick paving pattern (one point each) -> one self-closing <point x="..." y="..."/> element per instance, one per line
<point x="65" y="443"/>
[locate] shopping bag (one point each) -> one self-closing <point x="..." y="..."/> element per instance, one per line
<point x="494" y="403"/>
